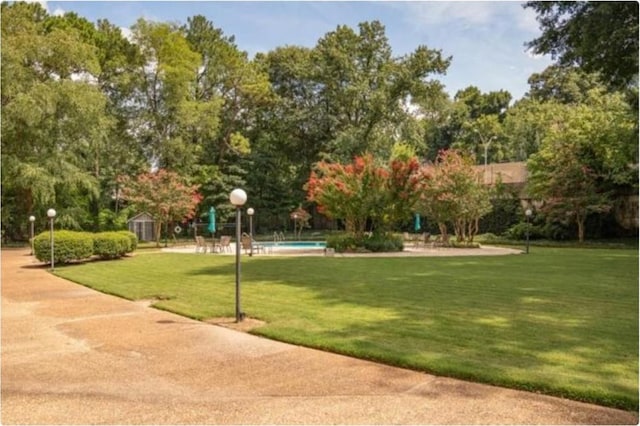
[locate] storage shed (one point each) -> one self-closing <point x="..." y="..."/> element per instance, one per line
<point x="143" y="226"/>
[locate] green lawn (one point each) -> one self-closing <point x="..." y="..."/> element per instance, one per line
<point x="559" y="321"/>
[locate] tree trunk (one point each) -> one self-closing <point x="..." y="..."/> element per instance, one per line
<point x="580" y="220"/>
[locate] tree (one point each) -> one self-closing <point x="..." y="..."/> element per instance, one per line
<point x="165" y="195"/>
<point x="362" y="88"/>
<point x="565" y="85"/>
<point x="351" y="193"/>
<point x="597" y="36"/>
<point x="163" y="80"/>
<point x="587" y="154"/>
<point x="54" y="120"/>
<point x="363" y="191"/>
<point x="228" y="90"/>
<point x="454" y="193"/>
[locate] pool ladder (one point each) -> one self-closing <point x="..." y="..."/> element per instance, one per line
<point x="278" y="237"/>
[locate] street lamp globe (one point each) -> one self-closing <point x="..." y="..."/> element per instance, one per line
<point x="238" y="197"/>
<point x="32" y="219"/>
<point x="51" y="213"/>
<point x="528" y="212"/>
<point x="250" y="211"/>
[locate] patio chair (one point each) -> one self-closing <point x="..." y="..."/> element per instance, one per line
<point x="422" y="240"/>
<point x="201" y="244"/>
<point x="225" y="243"/>
<point x="248" y="244"/>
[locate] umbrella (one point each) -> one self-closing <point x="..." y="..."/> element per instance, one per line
<point x="212" y="220"/>
<point x="416" y="223"/>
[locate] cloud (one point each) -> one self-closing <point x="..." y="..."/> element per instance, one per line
<point x="439" y="13"/>
<point x="58" y="12"/>
<point x="527" y="21"/>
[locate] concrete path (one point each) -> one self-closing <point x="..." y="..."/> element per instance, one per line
<point x="71" y="355"/>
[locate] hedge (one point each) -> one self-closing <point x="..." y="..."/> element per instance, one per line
<point x="367" y="243"/>
<point x="111" y="245"/>
<point x="68" y="246"/>
<point x="72" y="246"/>
<point x="132" y="238"/>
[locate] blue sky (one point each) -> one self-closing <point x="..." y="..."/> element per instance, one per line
<point x="486" y="39"/>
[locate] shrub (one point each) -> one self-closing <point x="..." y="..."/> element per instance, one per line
<point x="383" y="243"/>
<point x="132" y="238"/>
<point x="519" y="231"/>
<point x="342" y="242"/>
<point x="111" y="245"/>
<point x="375" y="243"/>
<point x="68" y="246"/>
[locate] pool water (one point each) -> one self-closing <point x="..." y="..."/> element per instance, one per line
<point x="293" y="245"/>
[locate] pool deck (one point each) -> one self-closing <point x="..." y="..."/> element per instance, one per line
<point x="407" y="252"/>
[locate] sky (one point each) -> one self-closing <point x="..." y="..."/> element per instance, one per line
<point x="486" y="40"/>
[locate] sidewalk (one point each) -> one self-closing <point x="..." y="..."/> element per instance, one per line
<point x="71" y="355"/>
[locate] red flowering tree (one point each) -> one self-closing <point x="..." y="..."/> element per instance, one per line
<point x="362" y="190"/>
<point x="402" y="192"/>
<point x="454" y="193"/>
<point x="165" y="195"/>
<point x="349" y="192"/>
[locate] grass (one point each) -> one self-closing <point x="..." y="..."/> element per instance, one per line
<point x="558" y="321"/>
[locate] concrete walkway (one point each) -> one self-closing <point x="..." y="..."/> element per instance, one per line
<point x="71" y="355"/>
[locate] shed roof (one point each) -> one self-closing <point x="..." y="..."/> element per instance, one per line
<point x="142" y="217"/>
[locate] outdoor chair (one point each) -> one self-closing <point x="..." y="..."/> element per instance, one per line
<point x="248" y="244"/>
<point x="201" y="244"/>
<point x="422" y="240"/>
<point x="225" y="243"/>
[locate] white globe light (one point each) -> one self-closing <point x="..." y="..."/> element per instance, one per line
<point x="238" y="197"/>
<point x="250" y="211"/>
<point x="51" y="213"/>
<point x="32" y="218"/>
<point x="528" y="212"/>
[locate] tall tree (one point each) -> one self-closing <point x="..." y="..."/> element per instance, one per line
<point x="598" y="36"/>
<point x="54" y="119"/>
<point x="228" y="91"/>
<point x="363" y="88"/>
<point x="164" y="79"/>
<point x="587" y="154"/>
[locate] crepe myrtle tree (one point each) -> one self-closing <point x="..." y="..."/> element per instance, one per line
<point x="362" y="191"/>
<point x="163" y="194"/>
<point x="453" y="193"/>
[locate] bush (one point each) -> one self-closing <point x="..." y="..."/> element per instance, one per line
<point x="132" y="238"/>
<point x="68" y="246"/>
<point x="111" y="245"/>
<point x="342" y="243"/>
<point x="376" y="243"/>
<point x="519" y="231"/>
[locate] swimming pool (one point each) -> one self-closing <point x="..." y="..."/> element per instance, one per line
<point x="295" y="245"/>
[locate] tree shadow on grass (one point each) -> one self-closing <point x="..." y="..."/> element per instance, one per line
<point x="462" y="318"/>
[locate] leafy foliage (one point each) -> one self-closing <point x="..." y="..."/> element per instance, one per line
<point x="598" y="36"/>
<point x="454" y="194"/>
<point x="164" y="195"/>
<point x="68" y="246"/>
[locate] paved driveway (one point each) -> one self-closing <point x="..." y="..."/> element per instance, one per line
<point x="71" y="355"/>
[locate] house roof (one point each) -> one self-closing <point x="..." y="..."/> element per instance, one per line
<point x="509" y="173"/>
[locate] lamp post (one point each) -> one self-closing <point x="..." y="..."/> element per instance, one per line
<point x="51" y="214"/>
<point x="295" y="225"/>
<point x="238" y="197"/>
<point x="528" y="214"/>
<point x="250" y="212"/>
<point x="32" y="219"/>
